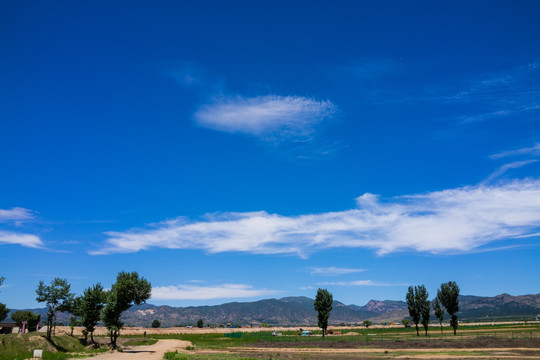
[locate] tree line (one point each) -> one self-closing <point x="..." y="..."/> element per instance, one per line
<point x="88" y="309"/>
<point x="417" y="303"/>
<point x="420" y="307"/>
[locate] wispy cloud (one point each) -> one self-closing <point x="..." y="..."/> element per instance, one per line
<point x="27" y="240"/>
<point x="285" y="122"/>
<point x="192" y="292"/>
<point x="333" y="271"/>
<point x="361" y="283"/>
<point x="16" y="215"/>
<point x="533" y="151"/>
<point x="448" y="221"/>
<point x="528" y="155"/>
<point x="504" y="168"/>
<point x="503" y="94"/>
<point x="489" y="96"/>
<point x="272" y="117"/>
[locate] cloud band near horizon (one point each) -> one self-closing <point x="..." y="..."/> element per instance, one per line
<point x="447" y="221"/>
<point x="194" y="292"/>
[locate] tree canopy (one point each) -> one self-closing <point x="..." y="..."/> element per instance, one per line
<point x="3" y="309"/>
<point x="419" y="306"/>
<point x="57" y="297"/>
<point x="323" y="306"/>
<point x="31" y="319"/>
<point x="128" y="290"/>
<point x="449" y="297"/>
<point x="91" y="303"/>
<point x="439" y="311"/>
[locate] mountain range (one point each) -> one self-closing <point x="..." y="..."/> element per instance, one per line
<point x="297" y="311"/>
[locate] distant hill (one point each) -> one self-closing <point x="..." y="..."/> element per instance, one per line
<point x="298" y="311"/>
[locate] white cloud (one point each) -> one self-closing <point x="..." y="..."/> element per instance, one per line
<point x="532" y="151"/>
<point x="333" y="271"/>
<point x="192" y="292"/>
<point x="504" y="168"/>
<point x="361" y="283"/>
<point x="269" y="117"/>
<point x="16" y="214"/>
<point x="28" y="240"/>
<point x="453" y="220"/>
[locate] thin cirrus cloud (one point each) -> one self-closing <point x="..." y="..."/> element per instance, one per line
<point x="193" y="292"/>
<point x="504" y="168"/>
<point x="449" y="221"/>
<point x="14" y="238"/>
<point x="501" y="95"/>
<point x="333" y="271"/>
<point x="16" y="214"/>
<point x="272" y="117"/>
<point x="533" y="151"/>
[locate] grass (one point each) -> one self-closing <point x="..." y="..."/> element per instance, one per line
<point x="19" y="347"/>
<point x="362" y="336"/>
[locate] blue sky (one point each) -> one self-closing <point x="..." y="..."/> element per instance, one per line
<point x="235" y="151"/>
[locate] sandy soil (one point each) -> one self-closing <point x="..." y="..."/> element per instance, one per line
<point x="149" y="352"/>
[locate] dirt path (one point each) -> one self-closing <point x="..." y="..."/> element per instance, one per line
<point x="148" y="352"/>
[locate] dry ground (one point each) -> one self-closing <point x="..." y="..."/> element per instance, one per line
<point x="148" y="352"/>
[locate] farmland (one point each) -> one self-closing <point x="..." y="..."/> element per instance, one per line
<point x="500" y="340"/>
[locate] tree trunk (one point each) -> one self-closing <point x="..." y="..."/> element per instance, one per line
<point x="417" y="333"/>
<point x="441" y="327"/>
<point x="92" y="337"/>
<point x="54" y="321"/>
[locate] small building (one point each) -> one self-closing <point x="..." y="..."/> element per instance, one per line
<point x="8" y="328"/>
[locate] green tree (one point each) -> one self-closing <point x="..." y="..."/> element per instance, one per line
<point x="419" y="306"/>
<point x="3" y="309"/>
<point x="73" y="321"/>
<point x="200" y="323"/>
<point x="31" y="319"/>
<point x="57" y="297"/>
<point x="405" y="322"/>
<point x="128" y="290"/>
<point x="439" y="311"/>
<point x="91" y="303"/>
<point x="323" y="306"/>
<point x="156" y="323"/>
<point x="425" y="306"/>
<point x="414" y="310"/>
<point x="449" y="297"/>
<point x="367" y="323"/>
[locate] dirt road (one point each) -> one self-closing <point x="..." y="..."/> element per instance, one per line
<point x="148" y="352"/>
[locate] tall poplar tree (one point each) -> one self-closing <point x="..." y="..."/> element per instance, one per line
<point x="449" y="297"/>
<point x="323" y="306"/>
